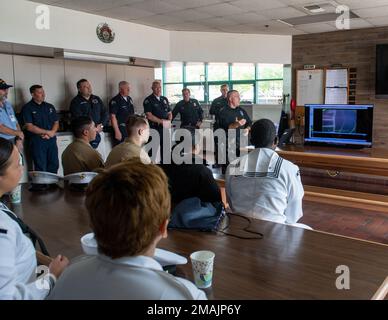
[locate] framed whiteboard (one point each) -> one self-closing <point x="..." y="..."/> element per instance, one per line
<point x="309" y="87"/>
<point x="337" y="83"/>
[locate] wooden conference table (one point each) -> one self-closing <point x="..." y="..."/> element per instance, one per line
<point x="287" y="263"/>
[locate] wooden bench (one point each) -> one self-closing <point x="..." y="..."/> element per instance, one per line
<point x="352" y="199"/>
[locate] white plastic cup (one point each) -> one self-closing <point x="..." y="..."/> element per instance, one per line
<point x="16" y="194"/>
<point x="202" y="263"/>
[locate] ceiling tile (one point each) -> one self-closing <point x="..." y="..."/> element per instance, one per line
<point x="361" y="4"/>
<point x="217" y="22"/>
<point x="92" y="5"/>
<point x="378" y="22"/>
<point x="246" y="18"/>
<point x="282" y="13"/>
<point x="155" y="6"/>
<point x="189" y="27"/>
<point x="355" y="24"/>
<point x="250" y="5"/>
<point x="372" y="12"/>
<point x="160" y="20"/>
<point x="222" y="9"/>
<point x="190" y="14"/>
<point x="188" y="4"/>
<point x="316" y="27"/>
<point x="125" y="13"/>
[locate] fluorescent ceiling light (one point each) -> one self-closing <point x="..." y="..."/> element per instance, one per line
<point x="93" y="57"/>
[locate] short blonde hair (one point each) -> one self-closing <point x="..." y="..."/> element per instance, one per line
<point x="127" y="204"/>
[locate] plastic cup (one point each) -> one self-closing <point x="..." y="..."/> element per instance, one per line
<point x="16" y="194"/>
<point x="202" y="263"/>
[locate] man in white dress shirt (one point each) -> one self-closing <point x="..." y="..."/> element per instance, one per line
<point x="263" y="185"/>
<point x="129" y="208"/>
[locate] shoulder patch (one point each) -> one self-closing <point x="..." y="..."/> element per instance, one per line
<point x="113" y="102"/>
<point x="146" y="101"/>
<point x="3" y="231"/>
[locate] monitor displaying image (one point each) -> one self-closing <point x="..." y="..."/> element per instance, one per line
<point x="347" y="125"/>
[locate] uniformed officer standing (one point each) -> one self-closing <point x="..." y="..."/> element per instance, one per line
<point x="158" y="112"/>
<point x="88" y="105"/>
<point x="217" y="105"/>
<point x="9" y="126"/>
<point x="41" y="123"/>
<point x="190" y="111"/>
<point x="233" y="117"/>
<point x="120" y="109"/>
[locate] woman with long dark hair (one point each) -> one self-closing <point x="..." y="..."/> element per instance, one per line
<point x="18" y="264"/>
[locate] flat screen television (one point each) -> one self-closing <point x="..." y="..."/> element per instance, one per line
<point x="382" y="71"/>
<point x="339" y="125"/>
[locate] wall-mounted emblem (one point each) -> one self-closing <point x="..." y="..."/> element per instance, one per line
<point x="105" y="33"/>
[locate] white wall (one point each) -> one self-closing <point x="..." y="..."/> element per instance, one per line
<point x="59" y="77"/>
<point x="230" y="47"/>
<point x="74" y="30"/>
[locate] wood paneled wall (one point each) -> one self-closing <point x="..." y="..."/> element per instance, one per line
<point x="352" y="48"/>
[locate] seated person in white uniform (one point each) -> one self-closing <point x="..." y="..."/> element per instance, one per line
<point x="263" y="185"/>
<point x="18" y="278"/>
<point x="129" y="208"/>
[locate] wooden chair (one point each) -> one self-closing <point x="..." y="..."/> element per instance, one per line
<point x="381" y="292"/>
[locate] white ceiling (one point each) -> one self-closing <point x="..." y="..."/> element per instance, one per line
<point x="234" y="16"/>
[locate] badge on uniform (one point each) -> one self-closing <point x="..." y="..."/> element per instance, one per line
<point x="95" y="101"/>
<point x="165" y="101"/>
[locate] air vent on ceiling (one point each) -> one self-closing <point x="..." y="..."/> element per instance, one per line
<point x="314" y="8"/>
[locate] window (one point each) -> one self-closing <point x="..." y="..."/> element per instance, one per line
<point x="173" y="92"/>
<point x="195" y="72"/>
<point x="158" y="74"/>
<point x="218" y="72"/>
<point x="269" y="92"/>
<point x="247" y="92"/>
<point x="243" y="71"/>
<point x="257" y="83"/>
<point x="174" y="72"/>
<point x="270" y="71"/>
<point x="214" y="91"/>
<point x="197" y="92"/>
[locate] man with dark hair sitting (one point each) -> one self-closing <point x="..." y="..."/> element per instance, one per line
<point x="80" y="156"/>
<point x="261" y="184"/>
<point x="191" y="178"/>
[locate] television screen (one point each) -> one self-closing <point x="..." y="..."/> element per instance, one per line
<point x="346" y="125"/>
<point x="382" y="71"/>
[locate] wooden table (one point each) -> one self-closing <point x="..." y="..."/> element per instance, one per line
<point x="288" y="263"/>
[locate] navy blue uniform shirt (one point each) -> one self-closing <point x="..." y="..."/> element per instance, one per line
<point x="228" y="115"/>
<point x="217" y="105"/>
<point x="191" y="112"/>
<point x="159" y="108"/>
<point x="93" y="108"/>
<point x="121" y="108"/>
<point x="43" y="116"/>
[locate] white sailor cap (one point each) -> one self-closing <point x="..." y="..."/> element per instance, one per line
<point x="80" y="177"/>
<point x="41" y="177"/>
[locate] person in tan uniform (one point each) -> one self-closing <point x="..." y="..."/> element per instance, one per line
<point x="138" y="134"/>
<point x="79" y="156"/>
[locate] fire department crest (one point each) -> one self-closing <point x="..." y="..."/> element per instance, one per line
<point x="105" y="33"/>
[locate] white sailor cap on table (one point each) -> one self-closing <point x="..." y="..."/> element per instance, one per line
<point x="80" y="177"/>
<point x="41" y="177"/>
